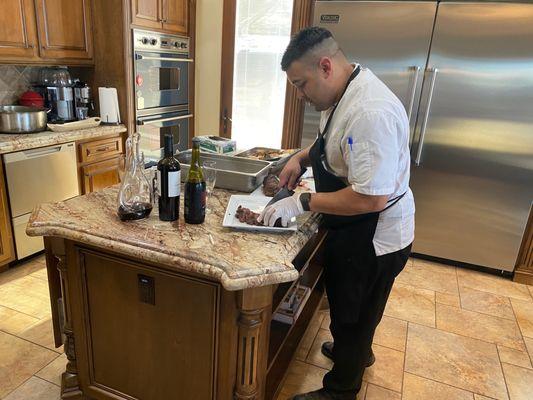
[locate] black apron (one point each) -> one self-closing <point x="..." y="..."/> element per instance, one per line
<point x="349" y="249"/>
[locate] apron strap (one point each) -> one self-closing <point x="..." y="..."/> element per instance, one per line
<point x="394" y="201"/>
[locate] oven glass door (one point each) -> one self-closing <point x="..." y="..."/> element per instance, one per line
<point x="161" y="80"/>
<point x="154" y="128"/>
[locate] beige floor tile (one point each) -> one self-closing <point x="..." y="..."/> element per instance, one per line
<point x="448" y="299"/>
<point x="315" y="356"/>
<point x="35" y="389"/>
<point x="459" y="361"/>
<point x="391" y="332"/>
<point x="28" y="295"/>
<point x="41" y="273"/>
<point x="21" y="270"/>
<point x="15" y="322"/>
<point x="418" y="388"/>
<point x="374" y="392"/>
<point x="412" y="304"/>
<point x="529" y="346"/>
<point x="305" y="344"/>
<point x="301" y="378"/>
<point x="19" y="360"/>
<point x="524" y="315"/>
<point x="429" y="275"/>
<point x="41" y="333"/>
<point x="53" y="371"/>
<point x="515" y="357"/>
<point x="480" y="397"/>
<point x="480" y="326"/>
<point x="486" y="303"/>
<point x="492" y="284"/>
<point x="326" y="322"/>
<point x="388" y="369"/>
<point x="519" y="382"/>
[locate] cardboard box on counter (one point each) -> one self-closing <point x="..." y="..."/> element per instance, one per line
<point x="217" y="144"/>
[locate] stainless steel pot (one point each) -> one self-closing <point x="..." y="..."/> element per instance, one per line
<point x="20" y="119"/>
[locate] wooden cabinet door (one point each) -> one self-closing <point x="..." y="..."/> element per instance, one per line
<point x="65" y="29"/>
<point x="146" y="13"/>
<point x="175" y="16"/>
<point x="100" y="175"/>
<point x="18" y="36"/>
<point x="7" y="251"/>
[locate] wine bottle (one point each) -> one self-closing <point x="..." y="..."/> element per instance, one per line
<point x="195" y="189"/>
<point x="169" y="183"/>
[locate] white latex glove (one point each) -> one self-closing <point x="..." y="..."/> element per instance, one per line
<point x="285" y="209"/>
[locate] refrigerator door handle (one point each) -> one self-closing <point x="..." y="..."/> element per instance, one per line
<point x="433" y="73"/>
<point x="416" y="70"/>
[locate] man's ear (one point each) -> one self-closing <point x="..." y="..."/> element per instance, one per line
<point x="325" y="66"/>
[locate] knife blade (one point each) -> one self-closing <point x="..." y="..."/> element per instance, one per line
<point x="284" y="191"/>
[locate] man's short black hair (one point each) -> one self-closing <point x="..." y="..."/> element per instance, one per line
<point x="301" y="43"/>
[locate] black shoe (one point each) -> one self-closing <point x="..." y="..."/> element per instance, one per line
<point x="323" y="394"/>
<point x="327" y="350"/>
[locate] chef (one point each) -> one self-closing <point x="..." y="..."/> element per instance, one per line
<point x="360" y="163"/>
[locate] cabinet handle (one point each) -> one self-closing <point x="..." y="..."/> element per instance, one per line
<point x="100" y="149"/>
<point x="433" y="72"/>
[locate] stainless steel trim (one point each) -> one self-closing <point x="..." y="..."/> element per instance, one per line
<point x="141" y="57"/>
<point x="150" y="112"/>
<point x="416" y="70"/>
<point x="433" y="72"/>
<point x="154" y="121"/>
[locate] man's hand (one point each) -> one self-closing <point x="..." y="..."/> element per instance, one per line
<point x="286" y="209"/>
<point x="291" y="173"/>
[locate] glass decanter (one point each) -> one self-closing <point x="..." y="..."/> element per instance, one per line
<point x="135" y="194"/>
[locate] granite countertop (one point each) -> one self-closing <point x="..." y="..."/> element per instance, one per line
<point x="26" y="141"/>
<point x="238" y="259"/>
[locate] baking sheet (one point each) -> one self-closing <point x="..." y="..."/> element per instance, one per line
<point x="256" y="204"/>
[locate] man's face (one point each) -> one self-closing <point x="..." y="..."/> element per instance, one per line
<point x="311" y="83"/>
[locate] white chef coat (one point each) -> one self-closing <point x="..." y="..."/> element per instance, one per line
<point x="378" y="160"/>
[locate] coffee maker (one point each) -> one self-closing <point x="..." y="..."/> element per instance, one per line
<point x="83" y="103"/>
<point x="58" y="93"/>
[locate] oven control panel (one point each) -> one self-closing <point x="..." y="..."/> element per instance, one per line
<point x="160" y="42"/>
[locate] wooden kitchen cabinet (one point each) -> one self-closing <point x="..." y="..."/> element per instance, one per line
<point x="146" y="13"/>
<point x="175" y="16"/>
<point x="99" y="163"/>
<point x="166" y="15"/>
<point x="18" y="35"/>
<point x="7" y="251"/>
<point x="46" y="32"/>
<point x="65" y="29"/>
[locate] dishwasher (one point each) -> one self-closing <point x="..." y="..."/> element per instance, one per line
<point x="42" y="175"/>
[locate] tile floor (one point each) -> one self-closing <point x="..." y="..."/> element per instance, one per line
<point x="447" y="334"/>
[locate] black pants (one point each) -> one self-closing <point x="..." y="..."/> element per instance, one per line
<point x="353" y="331"/>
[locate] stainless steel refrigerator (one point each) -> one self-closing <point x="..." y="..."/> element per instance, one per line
<point x="464" y="72"/>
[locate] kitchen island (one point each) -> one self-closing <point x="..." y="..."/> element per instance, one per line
<point x="157" y="310"/>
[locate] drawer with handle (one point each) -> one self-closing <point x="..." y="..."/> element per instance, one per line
<point x="100" y="149"/>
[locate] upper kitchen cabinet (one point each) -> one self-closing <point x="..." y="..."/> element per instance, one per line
<point x="175" y="16"/>
<point x="165" y="15"/>
<point x="64" y="28"/>
<point x="18" y="36"/>
<point x="146" y="13"/>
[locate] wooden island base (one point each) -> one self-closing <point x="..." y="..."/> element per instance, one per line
<point x="137" y="330"/>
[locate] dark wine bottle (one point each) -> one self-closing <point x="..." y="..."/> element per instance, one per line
<point x="169" y="183"/>
<point x="195" y="189"/>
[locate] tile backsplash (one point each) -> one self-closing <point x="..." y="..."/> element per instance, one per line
<point x="15" y="80"/>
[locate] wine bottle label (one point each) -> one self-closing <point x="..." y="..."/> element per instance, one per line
<point x="174" y="181"/>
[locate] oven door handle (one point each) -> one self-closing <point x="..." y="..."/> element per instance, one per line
<point x="141" y="57"/>
<point x="155" y="121"/>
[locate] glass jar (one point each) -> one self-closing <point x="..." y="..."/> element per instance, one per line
<point x="135" y="194"/>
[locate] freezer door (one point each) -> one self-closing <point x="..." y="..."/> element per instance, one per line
<point x="390" y="38"/>
<point x="473" y="186"/>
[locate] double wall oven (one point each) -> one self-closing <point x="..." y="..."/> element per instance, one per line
<point x="161" y="82"/>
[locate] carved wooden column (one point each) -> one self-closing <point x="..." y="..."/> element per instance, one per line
<point x="69" y="380"/>
<point x="524" y="266"/>
<point x="254" y="326"/>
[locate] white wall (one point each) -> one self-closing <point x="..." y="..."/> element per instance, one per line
<point x="208" y="65"/>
